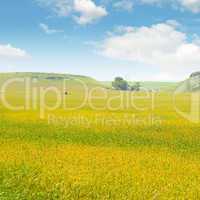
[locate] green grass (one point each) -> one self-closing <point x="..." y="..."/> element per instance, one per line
<point x="97" y="154"/>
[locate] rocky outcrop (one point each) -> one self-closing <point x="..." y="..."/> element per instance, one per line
<point x="192" y="84"/>
<point x="194" y="81"/>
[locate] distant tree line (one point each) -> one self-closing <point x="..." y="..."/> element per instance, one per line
<point x="120" y="84"/>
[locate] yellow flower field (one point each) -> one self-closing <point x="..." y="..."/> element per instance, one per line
<point x="100" y="154"/>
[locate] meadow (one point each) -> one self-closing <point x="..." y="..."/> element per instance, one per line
<point x="101" y="150"/>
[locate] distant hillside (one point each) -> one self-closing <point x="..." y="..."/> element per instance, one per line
<point x="49" y="77"/>
<point x="162" y="86"/>
<point x="57" y="79"/>
<point x="151" y="85"/>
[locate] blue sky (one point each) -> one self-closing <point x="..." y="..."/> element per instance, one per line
<point x="136" y="39"/>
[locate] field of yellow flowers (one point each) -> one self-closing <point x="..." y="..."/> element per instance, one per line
<point x="98" y="153"/>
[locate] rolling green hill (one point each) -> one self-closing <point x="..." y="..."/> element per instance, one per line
<point x="57" y="79"/>
<point x="49" y="77"/>
<point x="151" y="85"/>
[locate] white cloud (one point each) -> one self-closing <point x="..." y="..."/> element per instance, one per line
<point x="124" y="5"/>
<point x="61" y="8"/>
<point x="161" y="45"/>
<point x="88" y="11"/>
<point x="8" y="51"/>
<point x="192" y="5"/>
<point x="47" y="30"/>
<point x="83" y="11"/>
<point x="152" y="1"/>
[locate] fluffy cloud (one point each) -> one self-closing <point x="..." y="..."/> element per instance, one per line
<point x="83" y="11"/>
<point x="88" y="11"/>
<point x="8" y="51"/>
<point x="61" y="8"/>
<point x="153" y="1"/>
<point x="124" y="5"/>
<point x="192" y="5"/>
<point x="47" y="30"/>
<point x="161" y="45"/>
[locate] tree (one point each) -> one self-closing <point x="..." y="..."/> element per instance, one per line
<point x="120" y="84"/>
<point x="136" y="87"/>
